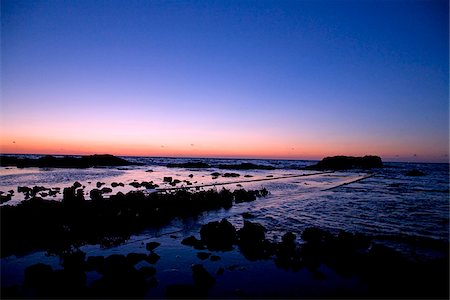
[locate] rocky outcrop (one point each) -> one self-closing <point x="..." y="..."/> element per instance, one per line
<point x="347" y="162"/>
<point x="96" y="160"/>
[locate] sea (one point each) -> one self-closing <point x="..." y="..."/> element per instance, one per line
<point x="407" y="213"/>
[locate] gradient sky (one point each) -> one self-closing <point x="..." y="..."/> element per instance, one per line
<point x="273" y="79"/>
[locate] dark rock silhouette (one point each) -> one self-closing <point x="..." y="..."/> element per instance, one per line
<point x="152" y="246"/>
<point x="5" y="198"/>
<point x="231" y="175"/>
<point x="192" y="164"/>
<point x="202" y="277"/>
<point x="203" y="255"/>
<point x="96" y="160"/>
<point x="218" y="235"/>
<point x="185" y="291"/>
<point x="347" y="162"/>
<point x="152" y="258"/>
<point x="245" y="166"/>
<point x="193" y="242"/>
<point x="252" y="241"/>
<point x="215" y="258"/>
<point x="134" y="258"/>
<point x="38" y="275"/>
<point x="415" y="172"/>
<point x="120" y="280"/>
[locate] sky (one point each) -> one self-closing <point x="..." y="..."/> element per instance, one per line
<point x="250" y="79"/>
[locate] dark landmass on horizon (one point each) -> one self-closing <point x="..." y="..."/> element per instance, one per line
<point x="48" y="161"/>
<point x="347" y="163"/>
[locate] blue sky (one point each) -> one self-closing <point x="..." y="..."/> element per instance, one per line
<point x="293" y="79"/>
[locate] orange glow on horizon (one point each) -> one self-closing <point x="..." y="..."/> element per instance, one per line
<point x="239" y="148"/>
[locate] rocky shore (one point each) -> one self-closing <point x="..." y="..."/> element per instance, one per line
<point x="45" y="224"/>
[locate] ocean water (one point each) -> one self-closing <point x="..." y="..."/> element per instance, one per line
<point x="407" y="213"/>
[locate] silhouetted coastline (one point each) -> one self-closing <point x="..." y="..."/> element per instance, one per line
<point x="48" y="161"/>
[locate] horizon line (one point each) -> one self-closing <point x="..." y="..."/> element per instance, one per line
<point x="235" y="157"/>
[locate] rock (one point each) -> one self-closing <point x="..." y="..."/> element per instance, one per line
<point x="242" y="195"/>
<point x="215" y="258"/>
<point x="193" y="242"/>
<point x="120" y="280"/>
<point x="24" y="189"/>
<point x="248" y="176"/>
<point x="191" y="164"/>
<point x="202" y="277"/>
<point x="203" y="255"/>
<point x="69" y="197"/>
<point x="147" y="271"/>
<point x="73" y="260"/>
<point x="5" y="198"/>
<point x="134" y="258"/>
<point x="218" y="235"/>
<point x="246" y="166"/>
<point x="176" y="181"/>
<point x="215" y="174"/>
<point x="76" y="184"/>
<point x="99" y="184"/>
<point x="149" y="185"/>
<point x="184" y="291"/>
<point x="152" y="258"/>
<point x="152" y="246"/>
<point x="191" y="175"/>
<point x="264" y="192"/>
<point x="288" y="238"/>
<point x="66" y="161"/>
<point x="167" y="179"/>
<point x="38" y="274"/>
<point x="231" y="175"/>
<point x="135" y="184"/>
<point x="106" y="190"/>
<point x="94" y="263"/>
<point x="314" y="235"/>
<point x="247" y="215"/>
<point x="252" y="241"/>
<point x="347" y="162"/>
<point x="251" y="233"/>
<point x="415" y="172"/>
<point x="96" y="195"/>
